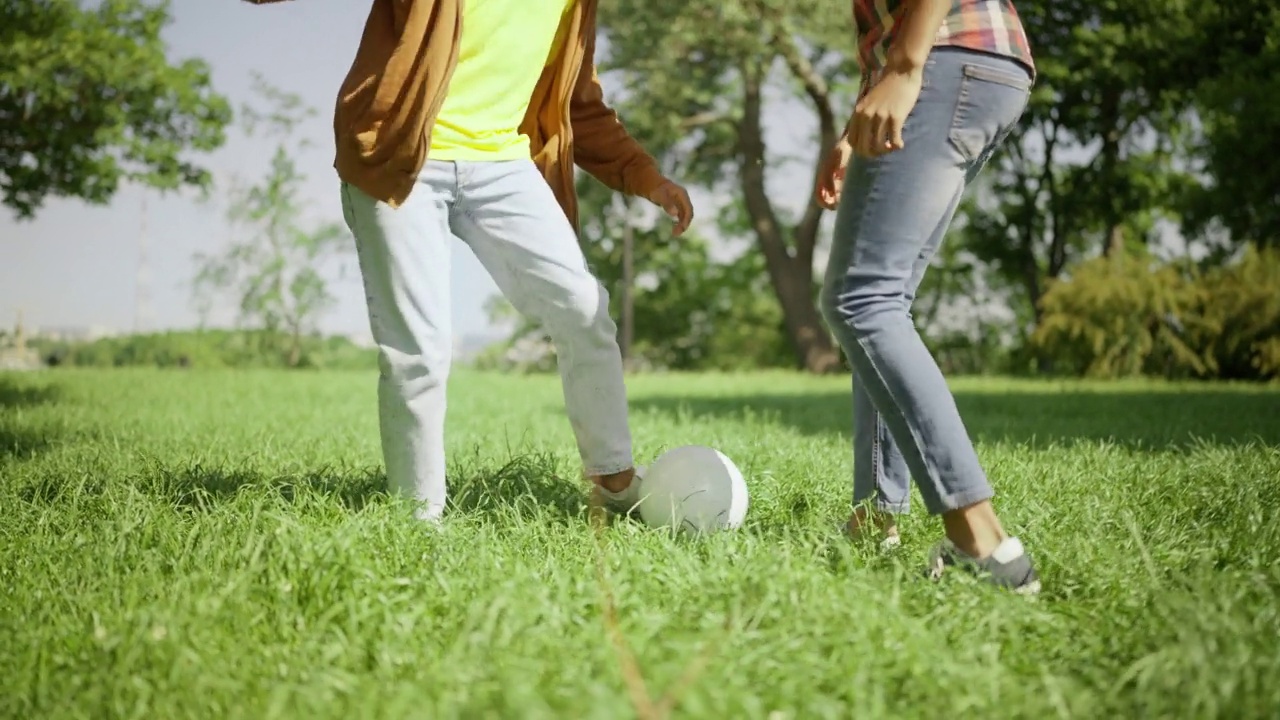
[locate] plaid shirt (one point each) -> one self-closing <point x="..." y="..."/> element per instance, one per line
<point x="984" y="25"/>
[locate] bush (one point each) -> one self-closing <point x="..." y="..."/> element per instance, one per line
<point x="1129" y="314"/>
<point x="1242" y="307"/>
<point x="209" y="349"/>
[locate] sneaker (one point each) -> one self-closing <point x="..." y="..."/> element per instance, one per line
<point x="626" y="501"/>
<point x="1008" y="567"/>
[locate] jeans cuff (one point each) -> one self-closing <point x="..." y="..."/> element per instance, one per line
<point x="947" y="503"/>
<point x="885" y="506"/>
<point x="611" y="468"/>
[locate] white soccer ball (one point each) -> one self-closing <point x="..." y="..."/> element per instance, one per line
<point x="693" y="489"/>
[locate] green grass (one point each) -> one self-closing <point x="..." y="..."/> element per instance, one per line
<point x="216" y="545"/>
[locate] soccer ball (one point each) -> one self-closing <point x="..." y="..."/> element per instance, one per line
<point x="693" y="489"/>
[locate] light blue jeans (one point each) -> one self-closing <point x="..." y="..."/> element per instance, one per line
<point x="508" y="215"/>
<point x="894" y="212"/>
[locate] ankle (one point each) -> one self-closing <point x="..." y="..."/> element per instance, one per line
<point x="974" y="530"/>
<point x="615" y="482"/>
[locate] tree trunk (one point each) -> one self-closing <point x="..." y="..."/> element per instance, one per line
<point x="1113" y="238"/>
<point x="295" y="347"/>
<point x="791" y="274"/>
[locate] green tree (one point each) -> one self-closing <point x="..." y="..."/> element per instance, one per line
<point x="1100" y="158"/>
<point x="274" y="266"/>
<point x="735" y="58"/>
<point x="1124" y="314"/>
<point x="88" y="99"/>
<point x="689" y="310"/>
<point x="1236" y="74"/>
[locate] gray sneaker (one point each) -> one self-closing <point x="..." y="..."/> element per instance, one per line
<point x="1009" y="567"/>
<point x="625" y="502"/>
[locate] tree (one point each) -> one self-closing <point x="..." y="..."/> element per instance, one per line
<point x="689" y="311"/>
<point x="88" y="99"/>
<point x="1098" y="159"/>
<point x="708" y="119"/>
<point x="1237" y="88"/>
<point x="274" y="267"/>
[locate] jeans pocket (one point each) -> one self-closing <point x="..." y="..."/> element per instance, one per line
<point x="990" y="102"/>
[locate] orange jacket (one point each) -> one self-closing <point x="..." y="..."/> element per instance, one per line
<point x="389" y="101"/>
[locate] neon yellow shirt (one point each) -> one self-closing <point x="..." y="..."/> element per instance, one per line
<point x="504" y="47"/>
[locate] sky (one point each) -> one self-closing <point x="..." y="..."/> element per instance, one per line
<point x="76" y="265"/>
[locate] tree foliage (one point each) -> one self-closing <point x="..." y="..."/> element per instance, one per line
<point x="1129" y="314"/>
<point x="735" y="58"/>
<point x="274" y="265"/>
<point x="1238" y="104"/>
<point x="89" y="99"/>
<point x="691" y="312"/>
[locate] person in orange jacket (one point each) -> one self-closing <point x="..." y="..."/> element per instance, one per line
<point x="465" y="119"/>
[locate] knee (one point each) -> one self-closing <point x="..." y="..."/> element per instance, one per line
<point x="580" y="315"/>
<point x="863" y="309"/>
<point x="417" y="369"/>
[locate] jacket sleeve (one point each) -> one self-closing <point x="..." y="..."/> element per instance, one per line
<point x="601" y="145"/>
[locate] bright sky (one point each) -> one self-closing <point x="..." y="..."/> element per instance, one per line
<point x="75" y="265"/>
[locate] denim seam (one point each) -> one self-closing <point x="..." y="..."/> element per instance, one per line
<point x="897" y="407"/>
<point x="353" y="220"/>
<point x="962" y="97"/>
<point x="870" y="202"/>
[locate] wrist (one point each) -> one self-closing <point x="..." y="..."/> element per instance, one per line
<point x="902" y="61"/>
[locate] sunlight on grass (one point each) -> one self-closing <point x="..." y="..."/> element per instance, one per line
<point x="217" y="544"/>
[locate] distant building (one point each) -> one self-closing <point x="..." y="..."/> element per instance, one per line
<point x="14" y="353"/>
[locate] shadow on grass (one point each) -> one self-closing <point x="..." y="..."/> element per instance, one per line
<point x="1148" y="420"/>
<point x="17" y="395"/>
<point x="201" y="489"/>
<point x="16" y="442"/>
<point x="22" y="444"/>
<point x="526" y="482"/>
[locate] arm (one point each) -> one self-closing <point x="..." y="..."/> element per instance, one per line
<point x="602" y="147"/>
<point x="601" y="144"/>
<point x="915" y="36"/>
<point x="876" y="126"/>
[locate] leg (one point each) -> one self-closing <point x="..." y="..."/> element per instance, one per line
<point x="404" y="263"/>
<point x="893" y="214"/>
<point x="879" y="468"/>
<point x="509" y="216"/>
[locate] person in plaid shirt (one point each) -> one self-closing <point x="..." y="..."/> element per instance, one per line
<point x="944" y="82"/>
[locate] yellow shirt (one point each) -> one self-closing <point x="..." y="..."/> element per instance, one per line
<point x="504" y="48"/>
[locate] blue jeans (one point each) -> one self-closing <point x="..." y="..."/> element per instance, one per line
<point x="508" y="215"/>
<point x="894" y="212"/>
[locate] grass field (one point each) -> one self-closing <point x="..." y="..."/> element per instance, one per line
<point x="216" y="545"/>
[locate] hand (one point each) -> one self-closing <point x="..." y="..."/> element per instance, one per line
<point x="674" y="200"/>
<point x="876" y="127"/>
<point x="831" y="176"/>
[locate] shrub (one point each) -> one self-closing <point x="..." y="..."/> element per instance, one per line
<point x="1120" y="316"/>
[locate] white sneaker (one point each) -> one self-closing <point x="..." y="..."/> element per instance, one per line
<point x="626" y="501"/>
